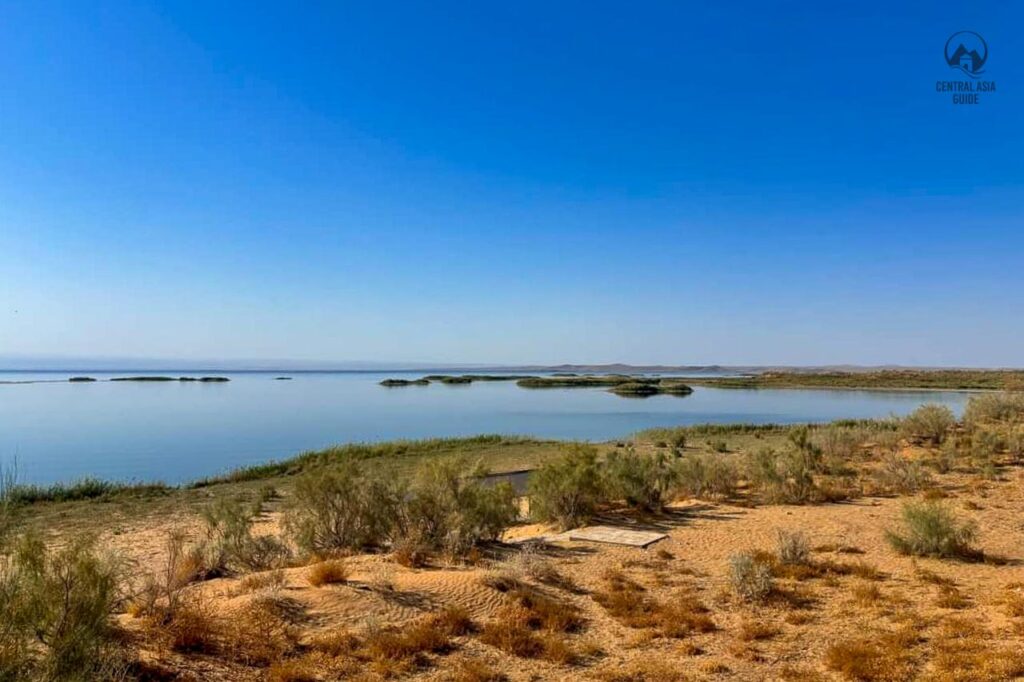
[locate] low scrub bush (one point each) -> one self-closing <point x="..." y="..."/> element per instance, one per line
<point x="349" y="506"/>
<point x="528" y="563"/>
<point x="231" y="547"/>
<point x="842" y="443"/>
<point x="706" y="476"/>
<point x="930" y="423"/>
<point x="900" y="474"/>
<point x="930" y="529"/>
<point x="785" y="477"/>
<point x="643" y="481"/>
<point x="994" y="407"/>
<point x="260" y="635"/>
<point x="451" y="509"/>
<point x="750" y="577"/>
<point x="793" y="548"/>
<point x="55" y="612"/>
<point x="569" y="489"/>
<point x="328" y="573"/>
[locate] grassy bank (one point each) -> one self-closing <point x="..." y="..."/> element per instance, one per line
<point x="994" y="380"/>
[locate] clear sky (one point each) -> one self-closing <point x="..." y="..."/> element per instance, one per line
<point x="515" y="182"/>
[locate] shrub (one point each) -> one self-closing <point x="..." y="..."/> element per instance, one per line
<point x="230" y="545"/>
<point x="931" y="529"/>
<point x="785" y="477"/>
<point x="994" y="407"/>
<point x="793" y="548"/>
<point x="569" y="489"/>
<point x="529" y="563"/>
<point x="451" y="509"/>
<point x="644" y="481"/>
<point x="55" y="611"/>
<point x="328" y="573"/>
<point x="930" y="422"/>
<point x="706" y="476"/>
<point x="345" y="507"/>
<point x="716" y="445"/>
<point x="841" y="443"/>
<point x="901" y="475"/>
<point x="261" y="634"/>
<point x="270" y="580"/>
<point x="750" y="578"/>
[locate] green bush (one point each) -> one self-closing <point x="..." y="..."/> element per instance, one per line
<point x="931" y="529"/>
<point x="451" y="509"/>
<point x="643" y="481"/>
<point x="929" y="422"/>
<point x="706" y="476"/>
<point x="348" y="506"/>
<point x="568" y="489"/>
<point x="55" y="612"/>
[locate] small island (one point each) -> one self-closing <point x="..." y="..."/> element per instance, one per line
<point x="81" y="380"/>
<point x="392" y="383"/>
<point x="623" y="385"/>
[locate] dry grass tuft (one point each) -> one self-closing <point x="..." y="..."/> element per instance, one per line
<point x="329" y="572"/>
<point x="502" y="581"/>
<point x="454" y="621"/>
<point x="407" y="643"/>
<point x="259" y="635"/>
<point x="291" y="671"/>
<point x="751" y="631"/>
<point x="270" y="580"/>
<point x="646" y="671"/>
<point x="627" y="601"/>
<point x="509" y="633"/>
<point x="951" y="598"/>
<point x="474" y="670"/>
<point x="887" y="656"/>
<point x="866" y="594"/>
<point x="963" y="652"/>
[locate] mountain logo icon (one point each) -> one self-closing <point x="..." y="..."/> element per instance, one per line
<point x="966" y="51"/>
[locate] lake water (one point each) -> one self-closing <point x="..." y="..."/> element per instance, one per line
<point x="175" y="432"/>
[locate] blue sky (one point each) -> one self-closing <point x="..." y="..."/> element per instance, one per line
<point x="510" y="183"/>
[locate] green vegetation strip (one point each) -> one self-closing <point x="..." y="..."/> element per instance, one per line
<point x="885" y="379"/>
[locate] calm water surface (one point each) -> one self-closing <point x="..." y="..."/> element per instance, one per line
<point x="175" y="431"/>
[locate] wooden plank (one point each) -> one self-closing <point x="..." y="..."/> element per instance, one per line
<point x="615" y="536"/>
